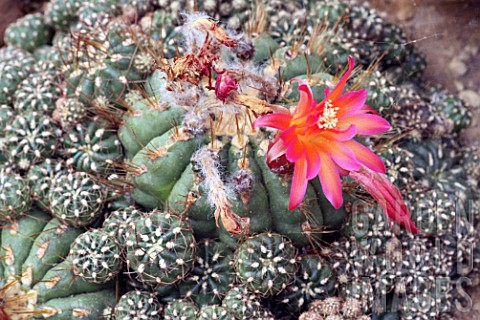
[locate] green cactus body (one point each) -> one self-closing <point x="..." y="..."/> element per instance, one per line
<point x="15" y="65"/>
<point x="138" y="305"/>
<point x="180" y="310"/>
<point x="213" y="312"/>
<point x="171" y="150"/>
<point x="251" y="199"/>
<point x="315" y="279"/>
<point x="266" y="263"/>
<point x="91" y="146"/>
<point x="6" y="115"/>
<point x="160" y="248"/>
<point x="164" y="293"/>
<point x="96" y="256"/>
<point x="233" y="13"/>
<point x="37" y="92"/>
<point x="100" y="71"/>
<point x="433" y="211"/>
<point x="264" y="46"/>
<point x="368" y="226"/>
<point x="335" y="55"/>
<point x="36" y="281"/>
<point x="453" y="108"/>
<point x="76" y="199"/>
<point x="412" y="112"/>
<point x="14" y="196"/>
<point x="143" y="123"/>
<point x="17" y="244"/>
<point x="243" y="304"/>
<point x="317" y="82"/>
<point x="30" y="139"/>
<point x="119" y="222"/>
<point x="212" y="274"/>
<point x="301" y="227"/>
<point x="189" y="199"/>
<point x="411" y="70"/>
<point x="331" y="12"/>
<point x="380" y="91"/>
<point x="42" y="178"/>
<point x="295" y="64"/>
<point x="399" y="165"/>
<point x="61" y="14"/>
<point x="28" y="32"/>
<point x="49" y="247"/>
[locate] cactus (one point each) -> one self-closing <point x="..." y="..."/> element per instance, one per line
<point x="314" y="279"/>
<point x="266" y="263"/>
<point x="180" y="310"/>
<point x="334" y="308"/>
<point x="60" y="14"/>
<point x="138" y="305"/>
<point x="91" y="146"/>
<point x="160" y="248"/>
<point x="96" y="256"/>
<point x="15" y="64"/>
<point x="212" y="274"/>
<point x="35" y="280"/>
<point x="38" y="92"/>
<point x="118" y="224"/>
<point x="244" y="305"/>
<point x="213" y="312"/>
<point x="29" y="139"/>
<point x="76" y="199"/>
<point x="453" y="108"/>
<point x="14" y="196"/>
<point x="42" y="178"/>
<point x="28" y="32"/>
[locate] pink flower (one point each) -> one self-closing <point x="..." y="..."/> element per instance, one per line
<point x="318" y="139"/>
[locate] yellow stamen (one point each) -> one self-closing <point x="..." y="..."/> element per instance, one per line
<point x="328" y="120"/>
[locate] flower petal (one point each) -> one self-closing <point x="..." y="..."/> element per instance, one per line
<point x="299" y="183"/>
<point x="306" y="102"/>
<point x="313" y="161"/>
<point x="366" y="124"/>
<point x="330" y="180"/>
<point x="341" y="135"/>
<point x="341" y="84"/>
<point x="350" y="103"/>
<point x="365" y="156"/>
<point x="291" y="139"/>
<point x="279" y="121"/>
<point x="342" y="155"/>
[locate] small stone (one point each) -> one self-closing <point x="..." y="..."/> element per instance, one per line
<point x="471" y="97"/>
<point x="457" y="67"/>
<point x="459" y="85"/>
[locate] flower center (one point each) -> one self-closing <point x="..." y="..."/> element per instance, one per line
<point x="328" y="120"/>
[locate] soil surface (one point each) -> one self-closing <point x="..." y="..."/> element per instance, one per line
<point x="448" y="32"/>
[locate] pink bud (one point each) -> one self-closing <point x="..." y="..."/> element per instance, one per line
<point x="387" y="196"/>
<point x="224" y="85"/>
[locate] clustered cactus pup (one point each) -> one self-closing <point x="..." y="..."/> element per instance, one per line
<point x="37" y="281"/>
